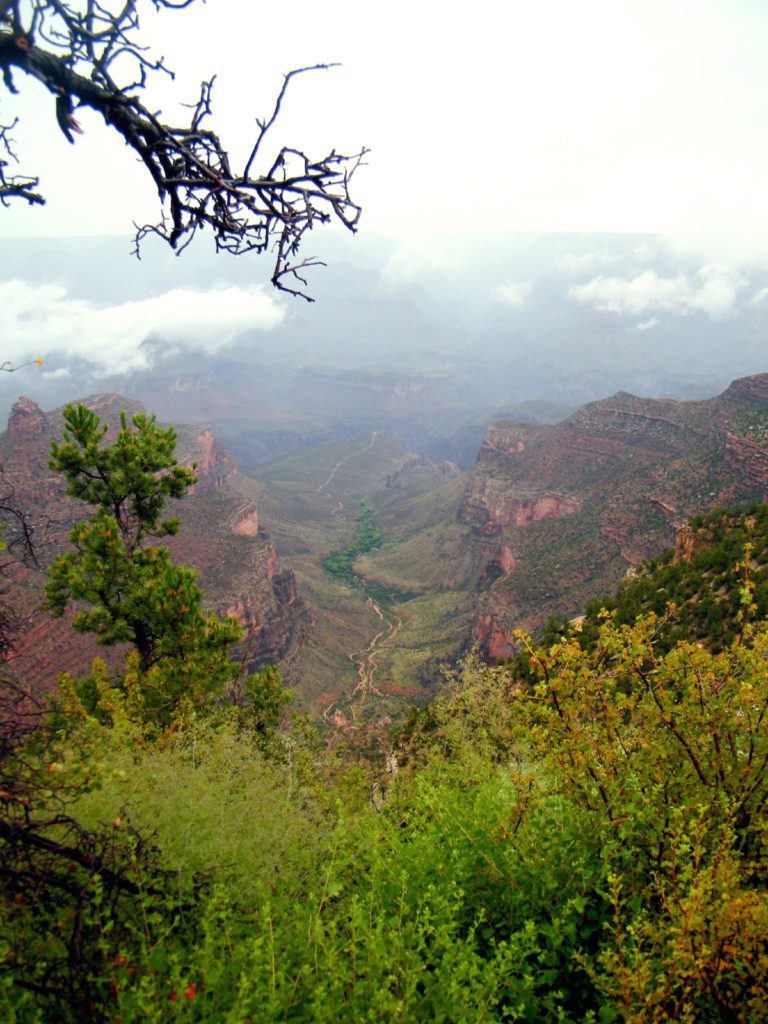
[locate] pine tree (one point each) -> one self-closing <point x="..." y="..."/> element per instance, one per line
<point x="130" y="587"/>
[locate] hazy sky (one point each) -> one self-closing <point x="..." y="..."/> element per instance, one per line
<point x="553" y="115"/>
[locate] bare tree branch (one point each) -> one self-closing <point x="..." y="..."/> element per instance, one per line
<point x="15" y="186"/>
<point x="72" y="49"/>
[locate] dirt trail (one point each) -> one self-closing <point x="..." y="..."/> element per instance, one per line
<point x="366" y="658"/>
<point x="367" y="666"/>
<point x="346" y="459"/>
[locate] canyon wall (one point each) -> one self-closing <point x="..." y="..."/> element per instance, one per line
<point x="560" y="513"/>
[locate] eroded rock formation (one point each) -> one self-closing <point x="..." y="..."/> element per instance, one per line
<point x="574" y="504"/>
<point x="27" y="420"/>
<point x="213" y="462"/>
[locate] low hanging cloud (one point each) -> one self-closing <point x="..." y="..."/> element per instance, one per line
<point x="712" y="290"/>
<point x="43" y="320"/>
<point x="514" y="293"/>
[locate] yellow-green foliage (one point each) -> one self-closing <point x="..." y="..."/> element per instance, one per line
<point x="214" y="806"/>
<point x="587" y="849"/>
<point x="665" y="757"/>
<point x="633" y="736"/>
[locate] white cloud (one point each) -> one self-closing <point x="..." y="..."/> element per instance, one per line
<point x="712" y="290"/>
<point x="581" y="264"/>
<point x="514" y="293"/>
<point x="759" y="297"/>
<point x="717" y="291"/>
<point x="60" y="373"/>
<point x="646" y="325"/>
<point x="632" y="295"/>
<point x="44" y="319"/>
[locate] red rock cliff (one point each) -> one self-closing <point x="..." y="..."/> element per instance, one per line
<point x="576" y="502"/>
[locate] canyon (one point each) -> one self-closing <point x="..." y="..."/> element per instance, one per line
<point x="549" y="517"/>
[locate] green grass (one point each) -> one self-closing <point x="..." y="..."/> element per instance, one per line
<point x="435" y="631"/>
<point x="436" y="558"/>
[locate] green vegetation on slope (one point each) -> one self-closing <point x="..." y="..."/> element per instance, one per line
<point x="340" y="564"/>
<point x="586" y="845"/>
<point x="753" y="424"/>
<point x="309" y="499"/>
<point x="592" y="849"/>
<point x="718" y="556"/>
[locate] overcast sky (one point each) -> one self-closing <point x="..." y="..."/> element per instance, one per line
<point x="554" y="115"/>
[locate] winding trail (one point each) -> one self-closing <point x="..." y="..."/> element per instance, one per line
<point x="390" y="624"/>
<point x="367" y="665"/>
<point x="346" y="459"/>
<point x="366" y="659"/>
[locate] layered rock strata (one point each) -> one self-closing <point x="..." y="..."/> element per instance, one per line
<point x="560" y="512"/>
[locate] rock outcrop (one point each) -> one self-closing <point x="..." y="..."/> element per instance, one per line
<point x="746" y="392"/>
<point x="688" y="542"/>
<point x="246" y="522"/>
<point x="493" y="639"/>
<point x="412" y="462"/>
<point x="492" y="508"/>
<point x="213" y="462"/>
<point x="749" y="459"/>
<point x="27" y="420"/>
<point x="270" y="627"/>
